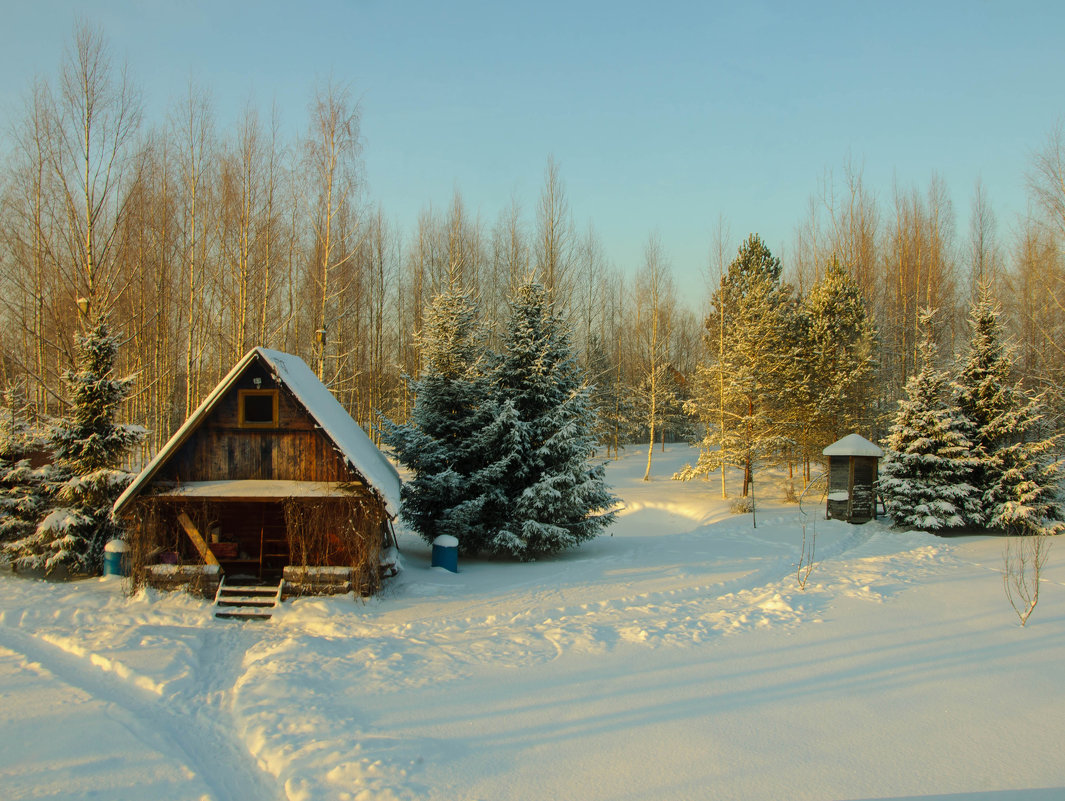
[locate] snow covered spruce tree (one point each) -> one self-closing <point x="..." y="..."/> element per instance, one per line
<point x="1015" y="473"/>
<point x="22" y="492"/>
<point x="544" y="494"/>
<point x="1024" y="499"/>
<point x="442" y="443"/>
<point x="88" y="449"/>
<point x="927" y="472"/>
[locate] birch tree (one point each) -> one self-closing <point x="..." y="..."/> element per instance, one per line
<point x="97" y="115"/>
<point x="654" y="305"/>
<point x="193" y="132"/>
<point x="331" y="159"/>
<point x="555" y="241"/>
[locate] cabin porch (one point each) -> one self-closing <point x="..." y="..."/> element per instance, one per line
<point x="255" y="530"/>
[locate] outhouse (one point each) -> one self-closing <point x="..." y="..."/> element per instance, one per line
<point x="852" y="473"/>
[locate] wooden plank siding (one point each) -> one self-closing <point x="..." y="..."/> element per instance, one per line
<point x="221" y="450"/>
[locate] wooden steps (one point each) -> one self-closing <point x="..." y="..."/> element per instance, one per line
<point x="247" y="601"/>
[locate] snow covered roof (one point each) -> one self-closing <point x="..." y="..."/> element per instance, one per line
<point x="853" y="445"/>
<point x="291" y="371"/>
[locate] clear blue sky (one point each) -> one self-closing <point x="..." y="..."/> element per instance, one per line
<point x="661" y="116"/>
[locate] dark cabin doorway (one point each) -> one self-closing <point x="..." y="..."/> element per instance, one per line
<point x="249" y="539"/>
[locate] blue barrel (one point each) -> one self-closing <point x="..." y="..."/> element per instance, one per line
<point x="446" y="553"/>
<point x="116" y="558"/>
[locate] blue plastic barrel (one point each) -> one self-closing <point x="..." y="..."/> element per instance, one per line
<point x="116" y="558"/>
<point x="446" y="553"/>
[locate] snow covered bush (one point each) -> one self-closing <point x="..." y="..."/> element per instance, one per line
<point x="742" y="505"/>
<point x="85" y="479"/>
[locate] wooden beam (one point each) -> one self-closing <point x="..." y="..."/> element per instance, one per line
<point x="197" y="539"/>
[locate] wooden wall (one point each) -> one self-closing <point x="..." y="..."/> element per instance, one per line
<point x="221" y="450"/>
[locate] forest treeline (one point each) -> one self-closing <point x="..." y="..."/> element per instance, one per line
<point x="198" y="243"/>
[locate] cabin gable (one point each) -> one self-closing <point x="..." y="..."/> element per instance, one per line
<point x="221" y="448"/>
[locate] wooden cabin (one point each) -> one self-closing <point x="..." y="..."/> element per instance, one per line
<point x="269" y="477"/>
<point x="852" y="472"/>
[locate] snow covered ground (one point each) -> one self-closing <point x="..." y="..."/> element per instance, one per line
<point x="676" y="659"/>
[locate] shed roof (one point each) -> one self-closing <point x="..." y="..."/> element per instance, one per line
<point x="291" y="371"/>
<point x="853" y="445"/>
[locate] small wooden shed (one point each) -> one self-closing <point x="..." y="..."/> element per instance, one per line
<point x="269" y="477"/>
<point x="852" y="474"/>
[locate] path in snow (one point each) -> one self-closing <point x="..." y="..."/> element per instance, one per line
<point x="195" y="733"/>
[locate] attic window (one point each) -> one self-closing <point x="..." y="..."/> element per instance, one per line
<point x="257" y="408"/>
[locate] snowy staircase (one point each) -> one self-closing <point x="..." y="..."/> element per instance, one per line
<point x="246" y="601"/>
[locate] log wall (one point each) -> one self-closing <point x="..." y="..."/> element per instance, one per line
<point x="220" y="450"/>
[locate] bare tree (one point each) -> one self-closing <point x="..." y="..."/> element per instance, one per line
<point x="654" y="299"/>
<point x="554" y="244"/>
<point x="719" y="260"/>
<point x="191" y="127"/>
<point x="31" y="236"/>
<point x="985" y="256"/>
<point x="249" y="226"/>
<point x="507" y="265"/>
<point x="97" y="114"/>
<point x="77" y="161"/>
<point x="1046" y="179"/>
<point x="150" y="304"/>
<point x="587" y="300"/>
<point x="918" y="272"/>
<point x="1036" y="309"/>
<point x="331" y="155"/>
<point x="1023" y="560"/>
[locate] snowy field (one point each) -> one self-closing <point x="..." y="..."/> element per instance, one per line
<point x="676" y="659"/>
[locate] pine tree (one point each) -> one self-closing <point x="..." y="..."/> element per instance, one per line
<point x="1016" y="473"/>
<point x="544" y="494"/>
<point x="829" y="386"/>
<point x="440" y="444"/>
<point x="88" y="449"/>
<point x="750" y="344"/>
<point x="927" y="471"/>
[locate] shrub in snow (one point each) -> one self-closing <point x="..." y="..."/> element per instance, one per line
<point x="927" y="472"/>
<point x="85" y="479"/>
<point x="742" y="506"/>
